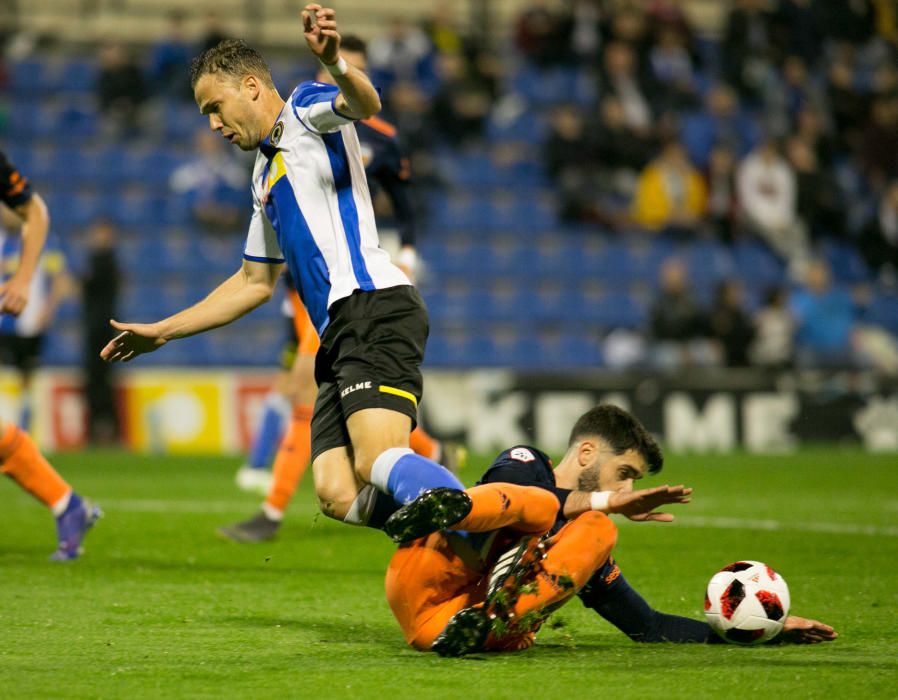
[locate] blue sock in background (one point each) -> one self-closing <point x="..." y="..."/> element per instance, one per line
<point x="270" y="431"/>
<point x="25" y="414"/>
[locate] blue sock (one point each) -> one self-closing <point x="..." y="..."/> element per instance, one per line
<point x="25" y="415"/>
<point x="404" y="475"/>
<point x="270" y="431"/>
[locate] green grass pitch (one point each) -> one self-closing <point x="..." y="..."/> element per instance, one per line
<point x="159" y="607"/>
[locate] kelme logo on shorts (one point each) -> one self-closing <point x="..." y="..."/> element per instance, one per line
<point x="355" y="387"/>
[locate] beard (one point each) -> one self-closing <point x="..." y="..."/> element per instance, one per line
<point x="588" y="480"/>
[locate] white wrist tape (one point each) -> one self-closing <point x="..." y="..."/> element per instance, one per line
<point x="341" y="67"/>
<point x="598" y="500"/>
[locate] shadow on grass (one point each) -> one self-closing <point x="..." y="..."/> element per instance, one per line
<point x="659" y="655"/>
<point x="329" y="630"/>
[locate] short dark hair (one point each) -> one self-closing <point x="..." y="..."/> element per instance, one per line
<point x="232" y="57"/>
<point x="354" y="43"/>
<point x="622" y="431"/>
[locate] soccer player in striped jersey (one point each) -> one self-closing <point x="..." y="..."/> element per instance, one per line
<point x="387" y="170"/>
<point x="312" y="212"/>
<point x="20" y="458"/>
<point x="22" y="336"/>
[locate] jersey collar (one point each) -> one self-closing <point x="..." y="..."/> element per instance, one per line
<point x="269" y="145"/>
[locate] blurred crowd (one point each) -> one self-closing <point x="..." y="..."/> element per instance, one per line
<point x="784" y="130"/>
<point x="815" y="323"/>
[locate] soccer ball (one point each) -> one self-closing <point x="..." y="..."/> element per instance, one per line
<point x="747" y="602"/>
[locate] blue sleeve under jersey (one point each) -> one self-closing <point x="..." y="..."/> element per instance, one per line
<point x="14" y="187"/>
<point x="388" y="169"/>
<point x="612" y="597"/>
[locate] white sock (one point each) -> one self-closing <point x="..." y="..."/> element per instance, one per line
<point x="272" y="513"/>
<point x="383" y="465"/>
<point x="279" y="403"/>
<point x="360" y="510"/>
<point x="59" y="507"/>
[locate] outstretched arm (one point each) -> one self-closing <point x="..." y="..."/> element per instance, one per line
<point x="357" y="99"/>
<point x="612" y="597"/>
<point x="248" y="288"/>
<point x="619" y="603"/>
<point x="636" y="505"/>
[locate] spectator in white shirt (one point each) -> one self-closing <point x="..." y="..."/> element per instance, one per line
<point x="767" y="193"/>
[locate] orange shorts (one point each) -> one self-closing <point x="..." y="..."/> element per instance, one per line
<point x="430" y="579"/>
<point x="427" y="583"/>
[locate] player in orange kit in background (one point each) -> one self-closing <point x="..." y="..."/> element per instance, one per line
<point x="20" y="458"/>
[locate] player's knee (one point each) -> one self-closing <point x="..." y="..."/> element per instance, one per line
<point x="335" y="500"/>
<point x="422" y="642"/>
<point x="601" y="528"/>
<point x="542" y="507"/>
<point x="333" y="506"/>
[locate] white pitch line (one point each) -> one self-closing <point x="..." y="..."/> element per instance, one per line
<point x="834" y="528"/>
<point x="175" y="506"/>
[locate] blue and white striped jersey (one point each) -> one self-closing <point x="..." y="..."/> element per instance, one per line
<point x="28" y="324"/>
<point x="311" y="205"/>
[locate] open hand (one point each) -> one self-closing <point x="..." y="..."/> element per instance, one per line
<point x="134" y="339"/>
<point x="320" y="30"/>
<point x="799" y="630"/>
<point x="640" y="505"/>
<point x="14" y="295"/>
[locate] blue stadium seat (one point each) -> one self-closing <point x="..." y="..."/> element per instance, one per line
<point x="29" y="76"/>
<point x="459" y="212"/>
<point x="135" y="207"/>
<point x="473" y="347"/>
<point x="438" y="353"/>
<point x="846" y="262"/>
<point x="579" y="350"/>
<point x="76" y="210"/>
<point x="547" y="87"/>
<point x="611" y="307"/>
<point x="36" y="120"/>
<point x="77" y="120"/>
<point x="883" y="311"/>
<point x="20" y="154"/>
<point x="708" y="262"/>
<point x="754" y="259"/>
<point x="520" y="214"/>
<point x="79" y="75"/>
<point x="64" y="342"/>
<point x="526" y="127"/>
<point x="81" y="165"/>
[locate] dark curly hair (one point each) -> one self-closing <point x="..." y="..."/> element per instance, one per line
<point x="622" y="431"/>
<point x="233" y="57"/>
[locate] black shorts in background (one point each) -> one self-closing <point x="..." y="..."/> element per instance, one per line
<point x="370" y="357"/>
<point x="23" y="352"/>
